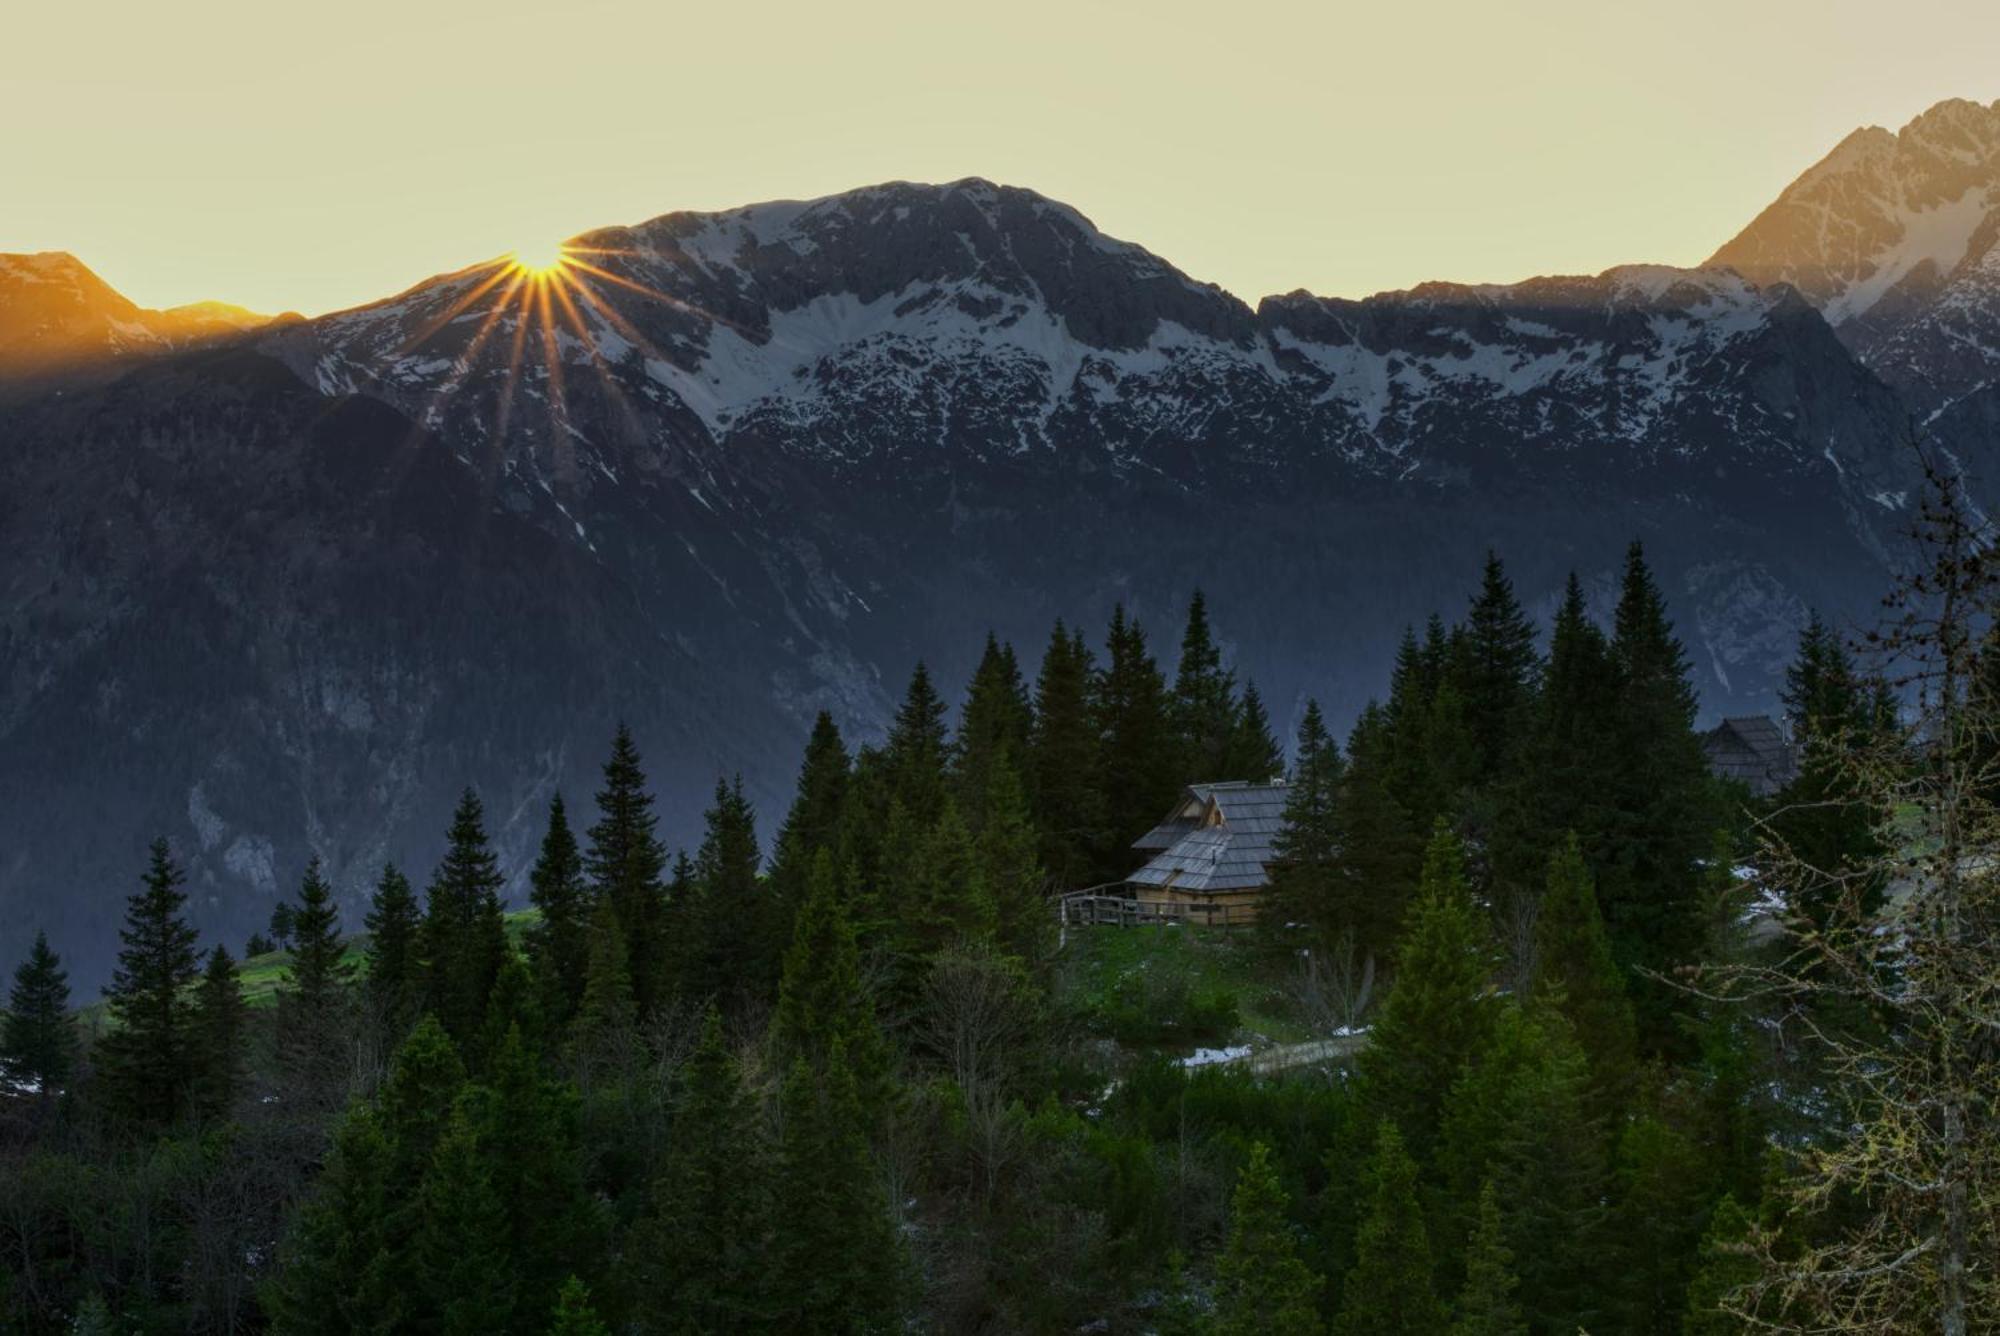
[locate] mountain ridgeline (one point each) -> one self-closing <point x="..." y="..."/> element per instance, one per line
<point x="280" y="590"/>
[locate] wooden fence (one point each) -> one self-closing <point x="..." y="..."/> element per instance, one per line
<point x="1129" y="911"/>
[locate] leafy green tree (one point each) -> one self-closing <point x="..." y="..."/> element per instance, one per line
<point x="1263" y="1286"/>
<point x="559" y="944"/>
<point x="704" y="1255"/>
<point x="1486" y="1304"/>
<point x="993" y="727"/>
<point x="839" y="1259"/>
<point x="1303" y="905"/>
<point x="1254" y="753"/>
<point x="1390" y="1289"/>
<point x="464" y="933"/>
<point x="723" y="956"/>
<point x="1575" y="974"/>
<point x="1062" y="760"/>
<point x="38" y="1041"/>
<point x="625" y="863"/>
<point x="574" y="1313"/>
<point x="1203" y="709"/>
<point x="221" y="1032"/>
<point x="395" y="965"/>
<point x="1438" y="1015"/>
<point x="147" y="1058"/>
<point x="1137" y="765"/>
<point x="315" y="998"/>
<point x="1501" y="672"/>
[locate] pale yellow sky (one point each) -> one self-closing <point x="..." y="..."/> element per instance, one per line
<point x="282" y="156"/>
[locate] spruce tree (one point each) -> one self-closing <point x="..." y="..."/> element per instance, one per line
<point x="1661" y="1190"/>
<point x="1822" y="816"/>
<point x="1254" y="753"/>
<point x="38" y="1040"/>
<point x="467" y="1278"/>
<point x="704" y="1255"/>
<point x="1575" y="974"/>
<point x="337" y="1271"/>
<point x="221" y="1025"/>
<point x="914" y="756"/>
<point x="1381" y="851"/>
<point x="1263" y="1285"/>
<point x="394" y="958"/>
<point x="559" y="944"/>
<point x="464" y="933"/>
<point x="148" y="1059"/>
<point x="607" y="1012"/>
<point x="626" y="862"/>
<point x="574" y="1314"/>
<point x="993" y="727"/>
<point x="1438" y="1014"/>
<point x="1137" y="767"/>
<point x="1389" y="1292"/>
<point x="949" y="899"/>
<point x="1486" y="1304"/>
<point x="813" y="823"/>
<point x="1303" y="905"/>
<point x="838" y="1256"/>
<point x="1568" y="781"/>
<point x="1500" y="675"/>
<point x="1062" y="762"/>
<point x="823" y="999"/>
<point x="1724" y="1267"/>
<point x="1008" y="851"/>
<point x="725" y="956"/>
<point x="315" y="998"/>
<point x="1204" y="703"/>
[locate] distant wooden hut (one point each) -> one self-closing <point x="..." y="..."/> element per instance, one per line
<point x="1753" y="751"/>
<point x="1209" y="860"/>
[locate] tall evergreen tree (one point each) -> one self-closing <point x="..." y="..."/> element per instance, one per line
<point x="625" y="863"/>
<point x="838" y="1256"/>
<point x="221" y="1033"/>
<point x="559" y="944"/>
<point x="574" y="1314"/>
<point x="1390" y="1290"/>
<point x="1575" y="974"/>
<point x="1661" y="1187"/>
<point x="1137" y="765"/>
<point x="993" y="727"/>
<point x="315" y="999"/>
<point x="724" y="956"/>
<point x="1724" y="1267"/>
<point x="1381" y="851"/>
<point x="467" y="1279"/>
<point x="1263" y="1284"/>
<point x="918" y="746"/>
<point x="1254" y="753"/>
<point x="38" y="1040"/>
<point x="1062" y="761"/>
<point x="1303" y="905"/>
<point x="1648" y="882"/>
<point x="1204" y="703"/>
<point x="395" y="963"/>
<point x="1568" y="782"/>
<point x="813" y="823"/>
<point x="949" y="897"/>
<point x="464" y="933"/>
<point x="148" y="1058"/>
<point x="1486" y="1304"/>
<point x="607" y="1012"/>
<point x="337" y="1272"/>
<point x="1438" y="1014"/>
<point x="1822" y="816"/>
<point x="1501" y="672"/>
<point x="823" y="999"/>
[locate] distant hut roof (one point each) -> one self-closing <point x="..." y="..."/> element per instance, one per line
<point x="1217" y="839"/>
<point x="1752" y="750"/>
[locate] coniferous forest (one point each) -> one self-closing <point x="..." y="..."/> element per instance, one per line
<point x="1623" y="1047"/>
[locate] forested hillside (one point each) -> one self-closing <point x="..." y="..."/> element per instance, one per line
<point x="1614" y="1065"/>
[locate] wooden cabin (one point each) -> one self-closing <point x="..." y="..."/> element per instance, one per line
<point x="1754" y="751"/>
<point x="1209" y="857"/>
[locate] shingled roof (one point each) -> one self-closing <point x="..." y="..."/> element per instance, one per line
<point x="1752" y="750"/>
<point x="1217" y="839"/>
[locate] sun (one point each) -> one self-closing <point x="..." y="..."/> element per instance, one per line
<point x="540" y="261"/>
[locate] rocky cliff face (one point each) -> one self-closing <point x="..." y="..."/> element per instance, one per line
<point x="286" y="594"/>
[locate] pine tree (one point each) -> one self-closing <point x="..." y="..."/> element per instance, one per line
<point x="1575" y="974"/>
<point x="1008" y="851"/>
<point x="221" y="1024"/>
<point x="1661" y="1191"/>
<point x="148" y="1058"/>
<point x="813" y="823"/>
<point x="1380" y="851"/>
<point x="1501" y="670"/>
<point x="425" y="1079"/>
<point x="1486" y="1304"/>
<point x="915" y="754"/>
<point x="1254" y="753"/>
<point x="465" y="937"/>
<point x="1137" y="765"/>
<point x="467" y="1277"/>
<point x="1204" y="703"/>
<point x="574" y="1314"/>
<point x="607" y="1013"/>
<point x="1648" y="880"/>
<point x="1303" y="905"/>
<point x="724" y="955"/>
<point x="1389" y="1291"/>
<point x="993" y="727"/>
<point x="704" y="1255"/>
<point x="337" y="1272"/>
<point x="1263" y="1286"/>
<point x="38" y="1040"/>
<point x="559" y="944"/>
<point x="315" y="999"/>
<point x="1568" y="781"/>
<point x="822" y="999"/>
<point x="949" y="897"/>
<point x="626" y="862"/>
<point x="1725" y="1266"/>
<point x="838" y="1255"/>
<point x="1061" y="774"/>
<point x="1438" y="1014"/>
<point x="1822" y="817"/>
<point x="395" y="966"/>
<point x="280" y="924"/>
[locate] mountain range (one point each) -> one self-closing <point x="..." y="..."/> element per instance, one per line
<point x="281" y="587"/>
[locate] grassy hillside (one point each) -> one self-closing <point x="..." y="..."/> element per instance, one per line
<point x="1170" y="987"/>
